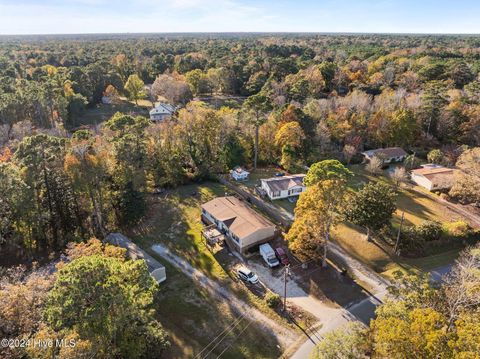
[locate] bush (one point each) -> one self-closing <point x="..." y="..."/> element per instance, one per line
<point x="429" y="230"/>
<point x="272" y="299"/>
<point x="411" y="244"/>
<point x="457" y="229"/>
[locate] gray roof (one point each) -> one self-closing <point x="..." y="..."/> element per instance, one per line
<point x="284" y="183"/>
<point x="389" y="152"/>
<point x="162" y="108"/>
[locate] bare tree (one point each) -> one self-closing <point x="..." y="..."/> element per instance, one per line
<point x="399" y="175"/>
<point x="461" y="286"/>
<point x="374" y="166"/>
<point x="348" y="152"/>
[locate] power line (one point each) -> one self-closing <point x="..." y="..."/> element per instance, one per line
<point x="235" y="322"/>
<point x="234" y="339"/>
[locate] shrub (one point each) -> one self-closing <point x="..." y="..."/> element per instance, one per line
<point x="429" y="230"/>
<point x="457" y="229"/>
<point x="411" y="243"/>
<point x="272" y="299"/>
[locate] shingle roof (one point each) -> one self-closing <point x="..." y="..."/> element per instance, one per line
<point x="437" y="174"/>
<point x="387" y="152"/>
<point x="241" y="219"/>
<point x="284" y="183"/>
<point x="162" y="108"/>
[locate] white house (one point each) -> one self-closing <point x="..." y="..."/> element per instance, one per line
<point x="283" y="187"/>
<point x="161" y="111"/>
<point x="433" y="177"/>
<point x="388" y="155"/>
<point x="239" y="174"/>
<point x="243" y="227"/>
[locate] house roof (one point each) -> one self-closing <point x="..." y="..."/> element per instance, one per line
<point x="435" y="174"/>
<point x="284" y="183"/>
<point x="162" y="108"/>
<point x="388" y="152"/>
<point x="241" y="219"/>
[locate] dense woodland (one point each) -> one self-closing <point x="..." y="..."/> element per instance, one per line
<point x="286" y="100"/>
<point x="307" y="98"/>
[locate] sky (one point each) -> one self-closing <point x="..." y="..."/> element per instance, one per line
<point x="129" y="16"/>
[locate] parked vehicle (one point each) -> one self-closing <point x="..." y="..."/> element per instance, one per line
<point x="279" y="174"/>
<point x="282" y="256"/>
<point x="268" y="255"/>
<point x="247" y="275"/>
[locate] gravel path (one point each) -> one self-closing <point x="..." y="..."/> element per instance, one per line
<point x="284" y="335"/>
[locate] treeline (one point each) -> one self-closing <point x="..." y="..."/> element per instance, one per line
<point x="53" y="81"/>
<point x="57" y="189"/>
<point x="307" y="98"/>
<point x="421" y="319"/>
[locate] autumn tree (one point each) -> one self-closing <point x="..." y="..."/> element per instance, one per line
<point x="134" y="86"/>
<point x="318" y="210"/>
<point x="121" y="320"/>
<point x="289" y="138"/>
<point x="316" y="214"/>
<point x="466" y="186"/>
<point x="372" y="207"/>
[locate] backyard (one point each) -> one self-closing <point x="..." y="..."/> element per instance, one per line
<point x="187" y="309"/>
<point x="417" y="207"/>
<point x="102" y="112"/>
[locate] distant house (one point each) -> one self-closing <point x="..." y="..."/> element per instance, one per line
<point x="387" y="155"/>
<point x="161" y="111"/>
<point x="239" y="174"/>
<point x="433" y="177"/>
<point x="156" y="269"/>
<point x="243" y="227"/>
<point x="283" y="187"/>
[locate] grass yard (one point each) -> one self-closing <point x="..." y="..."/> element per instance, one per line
<point x="174" y="220"/>
<point x="190" y="313"/>
<point x="193" y="319"/>
<point x="417" y="207"/>
<point x="102" y="112"/>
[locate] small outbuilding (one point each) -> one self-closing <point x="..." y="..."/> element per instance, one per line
<point x="239" y="174"/>
<point x="433" y="177"/>
<point x="387" y="155"/>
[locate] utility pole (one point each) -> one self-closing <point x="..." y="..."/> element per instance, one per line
<point x="397" y="243"/>
<point x="285" y="274"/>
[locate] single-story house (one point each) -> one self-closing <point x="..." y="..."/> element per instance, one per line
<point x="387" y="155"/>
<point x="243" y="227"/>
<point x="156" y="269"/>
<point x="161" y="111"/>
<point x="433" y="177"/>
<point x="283" y="187"/>
<point x="239" y="174"/>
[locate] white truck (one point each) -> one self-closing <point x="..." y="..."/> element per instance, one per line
<point x="268" y="255"/>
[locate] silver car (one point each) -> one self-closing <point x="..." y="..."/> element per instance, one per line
<point x="247" y="275"/>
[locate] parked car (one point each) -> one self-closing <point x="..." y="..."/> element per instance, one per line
<point x="268" y="255"/>
<point x="282" y="256"/>
<point x="247" y="275"/>
<point x="279" y="174"/>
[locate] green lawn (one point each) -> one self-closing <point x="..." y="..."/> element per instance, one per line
<point x="102" y="112"/>
<point x="417" y="208"/>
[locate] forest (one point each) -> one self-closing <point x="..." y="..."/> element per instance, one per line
<point x="294" y="101"/>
